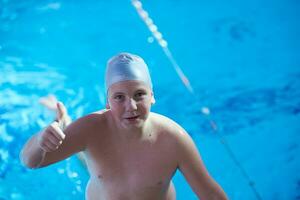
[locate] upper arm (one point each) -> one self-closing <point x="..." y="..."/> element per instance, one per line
<point x="194" y="170"/>
<point x="77" y="134"/>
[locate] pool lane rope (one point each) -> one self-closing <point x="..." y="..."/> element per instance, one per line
<point x="162" y="42"/>
<point x="205" y="110"/>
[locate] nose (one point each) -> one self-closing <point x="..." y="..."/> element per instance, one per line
<point x="131" y="105"/>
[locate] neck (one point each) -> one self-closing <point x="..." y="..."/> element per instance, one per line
<point x="132" y="133"/>
<point x="136" y="132"/>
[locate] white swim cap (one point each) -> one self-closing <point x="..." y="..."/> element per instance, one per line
<point x="124" y="67"/>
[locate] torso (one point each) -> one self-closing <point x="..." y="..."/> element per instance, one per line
<point x="131" y="169"/>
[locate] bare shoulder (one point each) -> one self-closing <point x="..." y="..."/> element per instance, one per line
<point x="168" y="126"/>
<point x="175" y="136"/>
<point x="87" y="124"/>
<point x="92" y="119"/>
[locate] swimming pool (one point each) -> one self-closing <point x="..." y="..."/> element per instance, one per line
<point x="241" y="59"/>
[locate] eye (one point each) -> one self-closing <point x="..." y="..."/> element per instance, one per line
<point x="140" y="94"/>
<point x="119" y="97"/>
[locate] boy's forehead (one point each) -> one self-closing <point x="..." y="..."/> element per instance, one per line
<point x="128" y="86"/>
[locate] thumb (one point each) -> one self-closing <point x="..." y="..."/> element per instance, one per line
<point x="61" y="111"/>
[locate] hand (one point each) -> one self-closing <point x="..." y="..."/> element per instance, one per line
<point x="52" y="137"/>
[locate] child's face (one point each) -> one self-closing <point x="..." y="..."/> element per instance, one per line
<point x="130" y="103"/>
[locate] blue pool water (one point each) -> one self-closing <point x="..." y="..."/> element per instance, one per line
<point x="242" y="59"/>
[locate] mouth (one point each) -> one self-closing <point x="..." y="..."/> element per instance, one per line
<point x="132" y="118"/>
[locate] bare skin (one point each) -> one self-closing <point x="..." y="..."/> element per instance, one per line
<point x="131" y="153"/>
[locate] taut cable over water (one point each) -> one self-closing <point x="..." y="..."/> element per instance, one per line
<point x="164" y="45"/>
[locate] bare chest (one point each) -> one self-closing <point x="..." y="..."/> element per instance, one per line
<point x="141" y="165"/>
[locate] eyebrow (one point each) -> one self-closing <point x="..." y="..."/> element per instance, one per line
<point x="138" y="90"/>
<point x="141" y="90"/>
<point x="117" y="93"/>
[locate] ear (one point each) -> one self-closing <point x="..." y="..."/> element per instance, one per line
<point x="152" y="99"/>
<point x="107" y="106"/>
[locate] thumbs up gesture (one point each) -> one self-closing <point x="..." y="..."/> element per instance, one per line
<point x="52" y="137"/>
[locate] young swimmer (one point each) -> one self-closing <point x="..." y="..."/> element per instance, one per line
<point x="131" y="153"/>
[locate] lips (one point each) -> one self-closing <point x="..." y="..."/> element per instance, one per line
<point x="133" y="117"/>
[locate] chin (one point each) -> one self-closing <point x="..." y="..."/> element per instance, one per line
<point x="133" y="125"/>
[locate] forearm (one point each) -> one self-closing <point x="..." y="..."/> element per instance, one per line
<point x="219" y="195"/>
<point x="32" y="155"/>
<point x="214" y="193"/>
